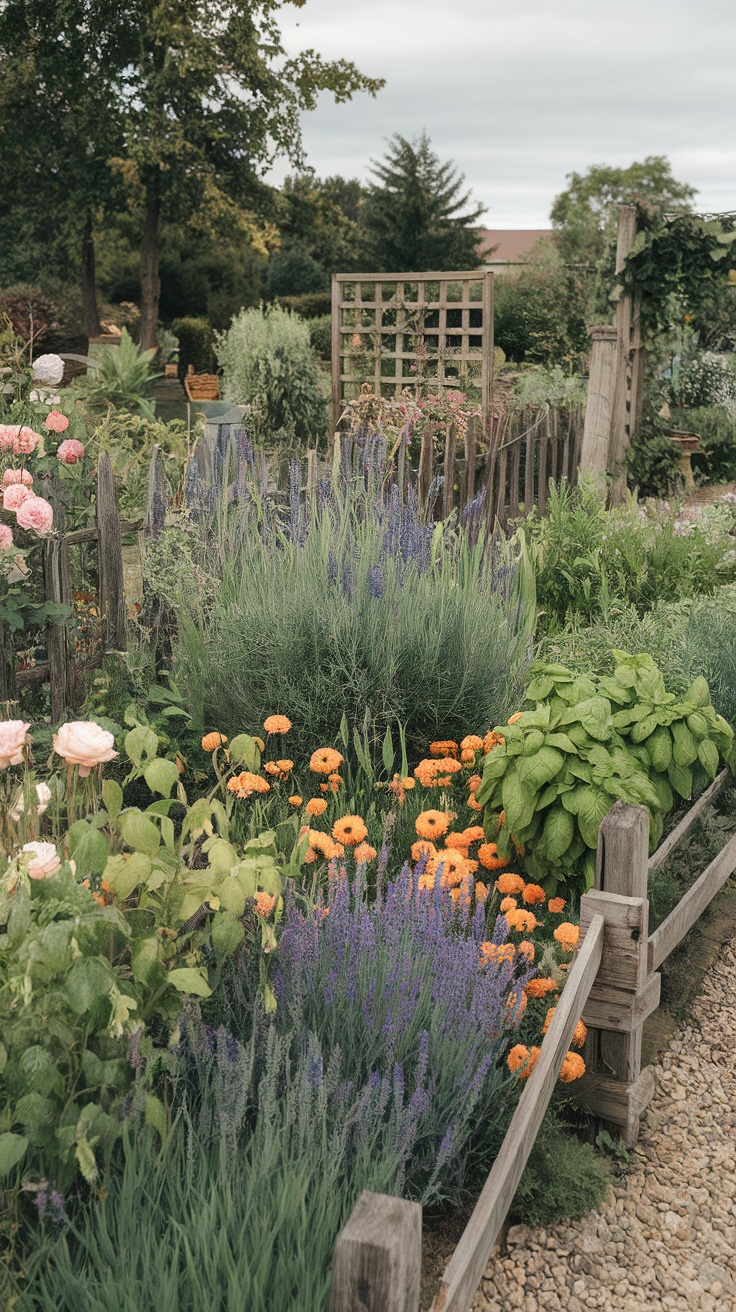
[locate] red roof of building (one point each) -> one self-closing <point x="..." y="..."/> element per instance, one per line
<point x="512" y="244"/>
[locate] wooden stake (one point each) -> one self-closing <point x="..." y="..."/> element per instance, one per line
<point x="110" y="559"/>
<point x="378" y="1257"/>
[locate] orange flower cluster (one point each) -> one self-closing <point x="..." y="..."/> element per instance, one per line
<point x="246" y="783"/>
<point x="432" y="824"/>
<point x="509" y="883"/>
<point x="333" y="783"/>
<point x="316" y="806"/>
<point x="422" y="848"/>
<point x="492" y="740"/>
<point x="437" y="774"/>
<point x="567" y="935"/>
<point x="492" y="954"/>
<point x="364" y="853"/>
<point x="295" y="800"/>
<point x="469" y="748"/>
<point x="579" y="1035"/>
<point x="464" y="840"/>
<point x="265" y="904"/>
<point x="540" y="987"/>
<point x="521" y="922"/>
<point x="280" y="769"/>
<point x="522" y="1060"/>
<point x="350" y="831"/>
<point x="325" y="760"/>
<point x="488" y="857"/>
<point x="533" y="894"/>
<point x="444" y="748"/>
<point x="212" y="741"/>
<point x="277" y="724"/>
<point x="320" y="843"/>
<point x="400" y="787"/>
<point x="572" y="1068"/>
<point x="556" y="905"/>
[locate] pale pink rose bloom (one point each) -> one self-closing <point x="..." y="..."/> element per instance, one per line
<point x="84" y="743"/>
<point x="12" y="741"/>
<point x="15" y="495"/>
<point x="56" y="422"/>
<point x="26" y="441"/>
<point x="6" y="536"/>
<point x="70" y="451"/>
<point x="41" y="861"/>
<point x="7" y="434"/>
<point x="35" y="515"/>
<point x="17" y="476"/>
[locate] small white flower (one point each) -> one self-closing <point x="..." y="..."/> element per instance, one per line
<point x="49" y="369"/>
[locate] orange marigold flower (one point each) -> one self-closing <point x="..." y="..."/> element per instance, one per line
<point x="408" y="783"/>
<point x="533" y="893"/>
<point x="323" y="843"/>
<point x="316" y="806"/>
<point x="444" y="748"/>
<point x="567" y="935"/>
<point x="473" y="803"/>
<point x="540" y="987"/>
<point x="350" y="830"/>
<point x="474" y="834"/>
<point x="325" y="788"/>
<point x="285" y="765"/>
<point x="493" y="954"/>
<point x="295" y="800"/>
<point x="335" y="780"/>
<point x="457" y="841"/>
<point x="467" y="755"/>
<point x="471" y="865"/>
<point x="488" y="857"/>
<point x="471" y="742"/>
<point x="521" y="1061"/>
<point x="212" y="741"/>
<point x="474" y="783"/>
<point x="454" y="867"/>
<point x="580" y="1034"/>
<point x="426" y="882"/>
<point x="491" y="740"/>
<point x="481" y="891"/>
<point x="514" y="718"/>
<point x="265" y="904"/>
<point x="508" y="904"/>
<point x="246" y="783"/>
<point x="572" y="1068"/>
<point x="526" y="949"/>
<point x="556" y="905"/>
<point x="364" y="853"/>
<point x="461" y="894"/>
<point x="325" y="760"/>
<point x="271" y="768"/>
<point x="422" y="848"/>
<point x="277" y="724"/>
<point x="523" y="922"/>
<point x="507" y="883"/>
<point x="432" y="824"/>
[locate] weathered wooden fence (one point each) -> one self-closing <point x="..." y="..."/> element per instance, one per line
<point x="613" y="983"/>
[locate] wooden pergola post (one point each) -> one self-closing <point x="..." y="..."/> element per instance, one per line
<point x="599" y="408"/>
<point x="620" y="433"/>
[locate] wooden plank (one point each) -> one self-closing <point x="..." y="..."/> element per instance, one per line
<point x="688" y="820"/>
<point x="619" y="415"/>
<point x="691" y="907"/>
<point x="110" y="559"/>
<point x="336" y="349"/>
<point x="529" y="471"/>
<point x="624" y="965"/>
<point x="378" y="1257"/>
<point x="543" y="475"/>
<point x="487" y="364"/>
<point x="614" y="1100"/>
<point x="448" y="487"/>
<point x="501" y="488"/>
<point x="515" y="463"/>
<point x="56" y="633"/>
<point x="312" y="475"/>
<point x="467" y="1264"/>
<point x="157" y="499"/>
<point x="469" y="485"/>
<point x="472" y="275"/>
<point x="610" y="1008"/>
<point x="90" y="534"/>
<point x="426" y="468"/>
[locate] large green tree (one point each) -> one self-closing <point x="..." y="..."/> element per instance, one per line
<point x="416" y="214"/>
<point x="585" y="214"/>
<point x="204" y="97"/>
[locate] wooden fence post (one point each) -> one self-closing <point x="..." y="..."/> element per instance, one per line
<point x="312" y="476"/>
<point x="469" y="487"/>
<point x="623" y="995"/>
<point x="57" y="591"/>
<point x="158" y="496"/>
<point x="377" y="1261"/>
<point x="426" y="468"/>
<point x="448" y="487"/>
<point x="110" y="559"/>
<point x="624" y="310"/>
<point x="601" y="384"/>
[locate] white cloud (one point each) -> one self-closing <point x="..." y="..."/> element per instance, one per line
<point x="520" y="95"/>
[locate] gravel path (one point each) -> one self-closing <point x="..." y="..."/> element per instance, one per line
<point x="666" y="1237"/>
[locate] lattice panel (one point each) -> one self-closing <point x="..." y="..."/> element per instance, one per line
<point x="399" y="330"/>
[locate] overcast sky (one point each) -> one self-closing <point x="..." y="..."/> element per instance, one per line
<point x="520" y="94"/>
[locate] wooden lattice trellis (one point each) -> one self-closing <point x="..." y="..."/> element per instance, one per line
<point x="398" y="330"/>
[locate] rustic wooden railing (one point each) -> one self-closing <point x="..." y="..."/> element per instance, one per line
<point x="613" y="983"/>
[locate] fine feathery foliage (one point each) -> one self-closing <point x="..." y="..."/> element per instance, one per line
<point x="360" y="611"/>
<point x="268" y="363"/>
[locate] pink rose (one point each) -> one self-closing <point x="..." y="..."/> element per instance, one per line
<point x="12" y="741"/>
<point x="56" y="422"/>
<point x="25" y="441"/>
<point x="41" y="860"/>
<point x="17" y="476"/>
<point x="15" y="495"/>
<point x="84" y="743"/>
<point x="70" y="451"/>
<point x="35" y="515"/>
<point x="7" y="433"/>
<point x="6" y="536"/>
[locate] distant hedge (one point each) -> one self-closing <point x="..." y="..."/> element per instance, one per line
<point x="310" y="305"/>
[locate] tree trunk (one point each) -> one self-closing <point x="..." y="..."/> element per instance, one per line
<point x="150" y="281"/>
<point x="90" y="310"/>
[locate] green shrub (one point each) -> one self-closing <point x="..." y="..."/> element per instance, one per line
<point x="588" y="742"/>
<point x="268" y="362"/>
<point x="292" y="271"/>
<point x="196" y="345"/>
<point x="588" y="560"/>
<point x="320" y="335"/>
<point x="310" y="305"/>
<point x="653" y="465"/>
<point x="122" y="379"/>
<point x="563" y="1177"/>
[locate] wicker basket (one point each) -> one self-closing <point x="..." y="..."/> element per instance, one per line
<point x="201" y="387"/>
